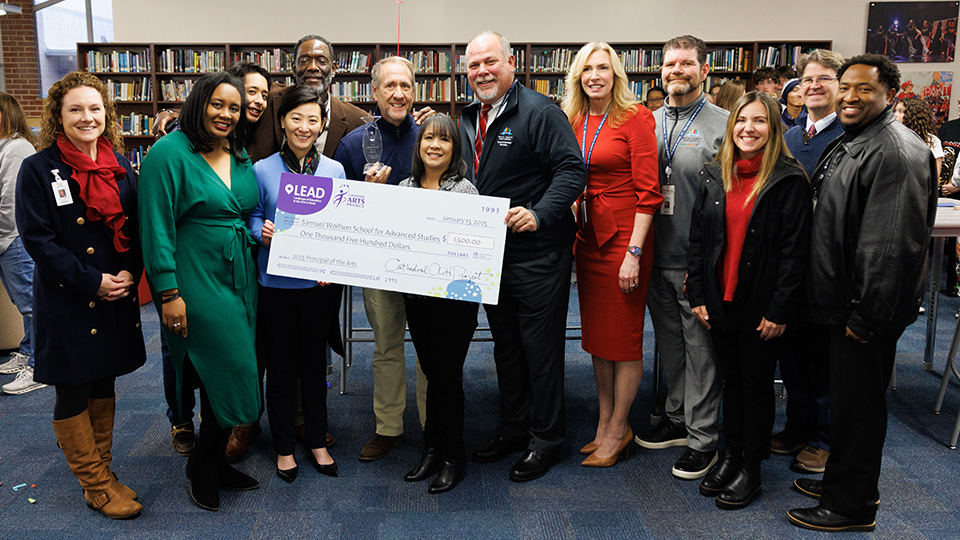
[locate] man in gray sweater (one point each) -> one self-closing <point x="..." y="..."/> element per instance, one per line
<point x="689" y="133"/>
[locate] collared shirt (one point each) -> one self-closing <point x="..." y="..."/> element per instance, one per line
<point x="821" y="124"/>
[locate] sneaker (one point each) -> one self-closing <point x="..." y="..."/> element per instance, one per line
<point x="665" y="435"/>
<point x="23" y="383"/>
<point x="786" y="442"/>
<point x="810" y="460"/>
<point x="694" y="464"/>
<point x="15" y="365"/>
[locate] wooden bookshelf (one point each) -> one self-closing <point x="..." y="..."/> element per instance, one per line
<point x="145" y="78"/>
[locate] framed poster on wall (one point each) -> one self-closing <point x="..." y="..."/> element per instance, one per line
<point x="934" y="87"/>
<point x="913" y="31"/>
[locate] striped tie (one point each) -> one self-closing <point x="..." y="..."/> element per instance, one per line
<point x="482" y="120"/>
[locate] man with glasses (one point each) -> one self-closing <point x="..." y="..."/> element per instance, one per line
<point x="803" y="367"/>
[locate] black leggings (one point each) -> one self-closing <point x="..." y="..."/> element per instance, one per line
<point x="72" y="400"/>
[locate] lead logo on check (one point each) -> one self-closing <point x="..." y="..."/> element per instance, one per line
<point x="304" y="195"/>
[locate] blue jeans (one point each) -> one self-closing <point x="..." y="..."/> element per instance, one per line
<point x="16" y="273"/>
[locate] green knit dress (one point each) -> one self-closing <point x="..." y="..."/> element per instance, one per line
<point x="194" y="236"/>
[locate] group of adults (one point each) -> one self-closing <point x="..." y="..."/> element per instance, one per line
<point x="705" y="215"/>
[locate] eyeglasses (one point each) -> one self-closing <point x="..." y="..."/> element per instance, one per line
<point x="807" y="81"/>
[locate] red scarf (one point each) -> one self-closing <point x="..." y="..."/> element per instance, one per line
<point x="98" y="185"/>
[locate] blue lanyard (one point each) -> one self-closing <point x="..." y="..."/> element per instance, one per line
<point x="503" y="103"/>
<point x="667" y="152"/>
<point x="583" y="145"/>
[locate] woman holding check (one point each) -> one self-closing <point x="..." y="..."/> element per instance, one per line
<point x="294" y="315"/>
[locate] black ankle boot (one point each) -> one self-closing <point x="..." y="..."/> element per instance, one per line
<point x="744" y="488"/>
<point x="721" y="474"/>
<point x="204" y="484"/>
<point x="451" y="472"/>
<point x="428" y="466"/>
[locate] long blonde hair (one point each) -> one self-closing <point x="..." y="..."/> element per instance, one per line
<point x="575" y="102"/>
<point x="775" y="149"/>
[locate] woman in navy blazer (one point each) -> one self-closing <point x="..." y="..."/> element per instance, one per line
<point x="77" y="216"/>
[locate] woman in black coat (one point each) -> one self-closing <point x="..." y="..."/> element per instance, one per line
<point x="77" y="212"/>
<point x="749" y="240"/>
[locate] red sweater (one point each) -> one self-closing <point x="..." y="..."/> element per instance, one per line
<point x="738" y="210"/>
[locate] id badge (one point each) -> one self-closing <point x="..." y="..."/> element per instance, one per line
<point x="669" y="192"/>
<point x="61" y="192"/>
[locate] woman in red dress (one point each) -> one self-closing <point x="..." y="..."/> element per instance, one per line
<point x="614" y="248"/>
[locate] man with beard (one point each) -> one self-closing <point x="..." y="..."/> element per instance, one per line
<point x="874" y="210"/>
<point x="689" y="133"/>
<point x="518" y="144"/>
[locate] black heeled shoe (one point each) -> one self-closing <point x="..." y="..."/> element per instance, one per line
<point x="326" y="470"/>
<point x="428" y="466"/>
<point x="204" y="484"/>
<point x="744" y="488"/>
<point x="451" y="472"/>
<point x="288" y="475"/>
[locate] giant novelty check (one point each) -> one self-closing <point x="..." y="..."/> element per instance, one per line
<point x="420" y="241"/>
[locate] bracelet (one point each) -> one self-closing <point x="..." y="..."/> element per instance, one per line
<point x="171" y="298"/>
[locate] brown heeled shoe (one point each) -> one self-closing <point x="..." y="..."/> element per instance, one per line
<point x="589" y="448"/>
<point x="594" y="461"/>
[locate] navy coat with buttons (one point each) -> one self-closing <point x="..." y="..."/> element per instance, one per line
<point x="774" y="256"/>
<point x="79" y="337"/>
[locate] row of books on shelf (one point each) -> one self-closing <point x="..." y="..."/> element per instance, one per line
<point x="175" y="90"/>
<point x="794" y="54"/>
<point x="433" y="90"/>
<point x="768" y="57"/>
<point x="136" y="124"/>
<point x="351" y="91"/>
<point x="136" y="154"/>
<point x="273" y="60"/>
<point x="552" y="88"/>
<point x="136" y="90"/>
<point x="353" y="62"/>
<point x="118" y="61"/>
<point x="641" y="60"/>
<point x="191" y="61"/>
<point x="733" y="59"/>
<point x="464" y="92"/>
<point x="426" y="61"/>
<point x="552" y="61"/>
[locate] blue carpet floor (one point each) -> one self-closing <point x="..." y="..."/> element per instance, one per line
<point x="637" y="498"/>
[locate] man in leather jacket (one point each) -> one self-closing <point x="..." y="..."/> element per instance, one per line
<point x="874" y="211"/>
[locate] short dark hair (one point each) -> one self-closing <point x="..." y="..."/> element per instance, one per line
<point x="444" y="126"/>
<point x="786" y="72"/>
<point x="242" y="69"/>
<point x="656" y="89"/>
<point x="194" y="108"/>
<point x="296" y="97"/>
<point x="311" y="37"/>
<point x="765" y="72"/>
<point x="887" y="71"/>
<point x="688" y="42"/>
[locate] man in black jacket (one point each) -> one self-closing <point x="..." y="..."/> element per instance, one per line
<point x="874" y="210"/>
<point x="518" y="144"/>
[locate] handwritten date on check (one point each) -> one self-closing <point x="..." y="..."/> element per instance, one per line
<point x="417" y="241"/>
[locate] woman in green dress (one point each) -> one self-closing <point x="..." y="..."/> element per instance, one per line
<point x="196" y="190"/>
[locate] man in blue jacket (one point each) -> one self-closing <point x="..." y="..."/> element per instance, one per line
<point x="518" y="144"/>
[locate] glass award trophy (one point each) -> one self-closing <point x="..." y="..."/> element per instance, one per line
<point x="372" y="142"/>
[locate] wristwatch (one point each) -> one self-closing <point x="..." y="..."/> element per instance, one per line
<point x="636" y="251"/>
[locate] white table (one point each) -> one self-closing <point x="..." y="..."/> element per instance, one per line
<point x="946" y="225"/>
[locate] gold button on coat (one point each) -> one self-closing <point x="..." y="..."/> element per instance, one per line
<point x="80" y="221"/>
<point x="89" y="251"/>
<point x="93" y="304"/>
<point x="93" y="332"/>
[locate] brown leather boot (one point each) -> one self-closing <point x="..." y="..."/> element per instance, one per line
<point x="101" y="419"/>
<point x="75" y="438"/>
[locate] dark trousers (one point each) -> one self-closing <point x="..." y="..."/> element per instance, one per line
<point x="179" y="407"/>
<point x="529" y="330"/>
<point x="859" y="376"/>
<point x="747" y="365"/>
<point x="72" y="399"/>
<point x="806" y="376"/>
<point x="441" y="330"/>
<point x="212" y="440"/>
<point x="295" y="326"/>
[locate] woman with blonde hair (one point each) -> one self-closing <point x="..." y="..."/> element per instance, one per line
<point x="748" y="248"/>
<point x="730" y="92"/>
<point x="614" y="251"/>
<point x="77" y="215"/>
